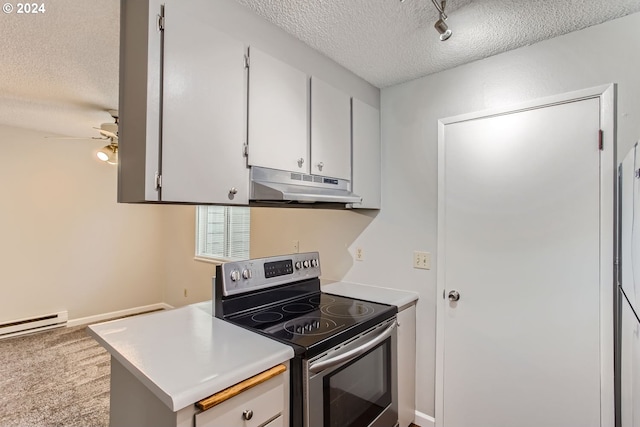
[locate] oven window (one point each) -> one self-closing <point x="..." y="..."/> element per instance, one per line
<point x="356" y="394"/>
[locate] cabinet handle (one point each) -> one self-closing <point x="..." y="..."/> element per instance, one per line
<point x="233" y="190"/>
<point x="320" y="166"/>
<point x="247" y="414"/>
<point x="300" y="162"/>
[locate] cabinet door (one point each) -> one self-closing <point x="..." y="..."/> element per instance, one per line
<point x="139" y="101"/>
<point x="204" y="111"/>
<point x="366" y="155"/>
<point x="330" y="131"/>
<point x="265" y="401"/>
<point x="278" y="114"/>
<point x="407" y="365"/>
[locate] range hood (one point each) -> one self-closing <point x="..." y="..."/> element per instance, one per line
<point x="270" y="185"/>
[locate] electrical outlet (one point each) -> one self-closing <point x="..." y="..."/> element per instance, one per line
<point x="359" y="254"/>
<point x="422" y="260"/>
<point x="296" y="246"/>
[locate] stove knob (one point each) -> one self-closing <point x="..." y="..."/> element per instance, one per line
<point x="298" y="265"/>
<point x="308" y="326"/>
<point x="314" y="262"/>
<point x="235" y="275"/>
<point x="246" y="274"/>
<point x="299" y="329"/>
<point x="316" y="324"/>
<point x="306" y="264"/>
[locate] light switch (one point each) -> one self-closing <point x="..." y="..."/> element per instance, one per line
<point x="422" y="260"/>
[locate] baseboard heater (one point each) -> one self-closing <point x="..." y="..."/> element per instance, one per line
<point x="33" y="324"/>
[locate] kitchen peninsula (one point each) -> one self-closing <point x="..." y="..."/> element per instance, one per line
<point x="162" y="364"/>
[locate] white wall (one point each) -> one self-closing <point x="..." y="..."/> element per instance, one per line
<point x="65" y="244"/>
<point x="608" y="53"/>
<point x="64" y="241"/>
<point x="180" y="269"/>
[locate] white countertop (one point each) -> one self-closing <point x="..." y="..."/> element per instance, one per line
<point x="186" y="354"/>
<point x="396" y="297"/>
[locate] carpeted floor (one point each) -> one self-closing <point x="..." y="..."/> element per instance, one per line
<point x="54" y="378"/>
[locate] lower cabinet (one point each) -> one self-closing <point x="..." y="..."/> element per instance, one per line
<point x="260" y="406"/>
<point x="260" y="401"/>
<point x="407" y="365"/>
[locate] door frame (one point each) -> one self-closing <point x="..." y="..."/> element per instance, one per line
<point x="607" y="97"/>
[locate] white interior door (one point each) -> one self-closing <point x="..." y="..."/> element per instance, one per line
<point x="520" y="241"/>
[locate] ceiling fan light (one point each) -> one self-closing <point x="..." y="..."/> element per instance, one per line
<point x="109" y="154"/>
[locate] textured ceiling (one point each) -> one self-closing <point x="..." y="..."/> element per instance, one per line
<point x="59" y="69"/>
<point x="388" y="41"/>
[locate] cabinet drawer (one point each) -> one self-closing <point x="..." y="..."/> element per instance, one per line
<point x="265" y="400"/>
<point x="278" y="422"/>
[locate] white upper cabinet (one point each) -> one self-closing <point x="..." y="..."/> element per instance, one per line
<point x="330" y="131"/>
<point x="278" y="114"/>
<point x="204" y="112"/>
<point x="366" y="155"/>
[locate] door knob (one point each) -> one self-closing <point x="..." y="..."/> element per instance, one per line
<point x="320" y="166"/>
<point x="454" y="295"/>
<point x="300" y="162"/>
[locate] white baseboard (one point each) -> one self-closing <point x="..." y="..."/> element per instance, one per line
<point x="424" y="420"/>
<point x="119" y="313"/>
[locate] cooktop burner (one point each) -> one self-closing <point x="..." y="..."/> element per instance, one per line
<point x="267" y="317"/>
<point x="310" y="326"/>
<point x="350" y="310"/>
<point x="297" y="308"/>
<point x="310" y="320"/>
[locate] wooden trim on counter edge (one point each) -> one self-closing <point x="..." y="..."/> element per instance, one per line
<point x="234" y="390"/>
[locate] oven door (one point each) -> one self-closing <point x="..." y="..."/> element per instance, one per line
<point x="355" y="385"/>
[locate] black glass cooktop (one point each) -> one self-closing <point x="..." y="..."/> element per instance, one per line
<point x="316" y="322"/>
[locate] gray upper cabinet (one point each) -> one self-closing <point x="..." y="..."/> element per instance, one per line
<point x="139" y="108"/>
<point x="204" y="112"/>
<point x="330" y="131"/>
<point x="278" y="114"/>
<point x="183" y="108"/>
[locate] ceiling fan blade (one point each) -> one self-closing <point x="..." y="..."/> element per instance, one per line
<point x="72" y="137"/>
<point x="108" y="134"/>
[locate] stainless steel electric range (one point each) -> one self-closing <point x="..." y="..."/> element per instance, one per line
<point x="344" y="372"/>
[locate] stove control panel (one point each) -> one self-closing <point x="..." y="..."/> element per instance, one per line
<point x="239" y="277"/>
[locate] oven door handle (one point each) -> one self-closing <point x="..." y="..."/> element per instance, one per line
<point x="352" y="354"/>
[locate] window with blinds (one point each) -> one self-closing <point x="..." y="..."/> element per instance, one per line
<point x="222" y="232"/>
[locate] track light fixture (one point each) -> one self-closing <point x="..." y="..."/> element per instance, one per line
<point x="441" y="26"/>
<point x="109" y="153"/>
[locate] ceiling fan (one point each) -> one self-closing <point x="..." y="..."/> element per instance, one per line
<point x="108" y="132"/>
<point x="109" y="153"/>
